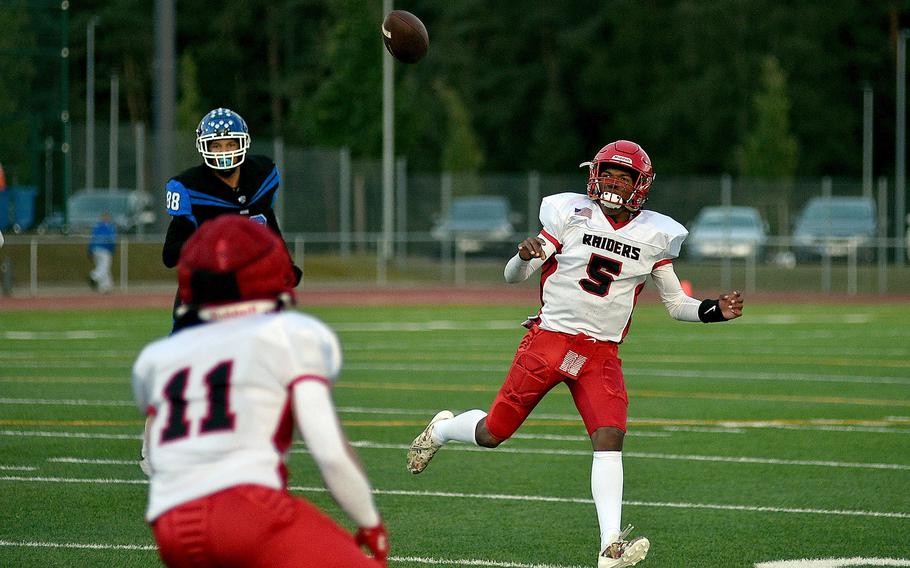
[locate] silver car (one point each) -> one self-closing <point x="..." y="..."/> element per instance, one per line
<point x="834" y="226"/>
<point x="727" y="232"/>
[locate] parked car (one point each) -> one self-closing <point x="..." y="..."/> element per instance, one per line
<point x="833" y="226"/>
<point x="475" y="223"/>
<point x="727" y="232"/>
<point x="130" y="211"/>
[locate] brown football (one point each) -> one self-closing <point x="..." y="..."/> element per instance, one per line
<point x="405" y="36"/>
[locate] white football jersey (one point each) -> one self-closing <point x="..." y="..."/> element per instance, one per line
<point x="590" y="285"/>
<point x="220" y="395"/>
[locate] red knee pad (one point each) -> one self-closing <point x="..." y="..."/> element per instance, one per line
<point x="526" y="383"/>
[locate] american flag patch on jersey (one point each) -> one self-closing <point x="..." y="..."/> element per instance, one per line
<point x="584" y="212"/>
<point x="572" y="362"/>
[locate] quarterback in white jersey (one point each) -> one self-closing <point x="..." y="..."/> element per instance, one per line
<point x="595" y="253"/>
<point x="224" y="396"/>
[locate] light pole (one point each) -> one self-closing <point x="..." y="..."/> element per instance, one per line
<point x="900" y="186"/>
<point x="388" y="153"/>
<point x="90" y="102"/>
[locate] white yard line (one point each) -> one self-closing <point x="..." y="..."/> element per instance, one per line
<point x="86" y="435"/>
<point x="505" y="497"/>
<point x="366" y="444"/>
<point x="55" y="335"/>
<point x="76" y="545"/>
<point x="411" y="559"/>
<point x="66" y="402"/>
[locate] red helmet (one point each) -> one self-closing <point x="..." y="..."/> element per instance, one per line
<point x="232" y="259"/>
<point x="625" y="155"/>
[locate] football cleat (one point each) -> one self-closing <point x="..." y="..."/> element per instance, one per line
<point x="623" y="552"/>
<point x="144" y="464"/>
<point x="423" y="448"/>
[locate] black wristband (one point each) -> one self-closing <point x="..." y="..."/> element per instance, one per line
<point x="709" y="312"/>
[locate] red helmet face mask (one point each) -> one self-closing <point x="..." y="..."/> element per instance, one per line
<point x="612" y="191"/>
<point x="232" y="259"/>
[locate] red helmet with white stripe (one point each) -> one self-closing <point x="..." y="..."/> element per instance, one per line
<point x="627" y="156"/>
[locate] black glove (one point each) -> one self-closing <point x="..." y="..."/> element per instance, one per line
<point x="298" y="274"/>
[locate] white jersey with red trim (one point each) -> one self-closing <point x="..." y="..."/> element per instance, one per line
<point x="220" y="397"/>
<point x="590" y="285"/>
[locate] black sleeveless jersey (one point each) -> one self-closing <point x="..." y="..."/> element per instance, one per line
<point x="198" y="195"/>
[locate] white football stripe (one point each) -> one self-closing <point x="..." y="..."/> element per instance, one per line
<point x="366" y="444"/>
<point x="411" y="559"/>
<point x="833" y="563"/>
<point x="505" y="497"/>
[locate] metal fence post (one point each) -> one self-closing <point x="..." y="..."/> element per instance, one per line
<point x="533" y="201"/>
<point x="33" y="267"/>
<point x="726" y="199"/>
<point x="882" y="236"/>
<point x="124" y="263"/>
<point x="445" y="202"/>
<point x="344" y="199"/>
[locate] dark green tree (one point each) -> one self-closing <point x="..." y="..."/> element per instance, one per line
<point x="189" y="100"/>
<point x="17" y="71"/>
<point x="769" y="149"/>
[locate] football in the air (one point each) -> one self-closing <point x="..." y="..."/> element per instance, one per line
<point x="405" y="36"/>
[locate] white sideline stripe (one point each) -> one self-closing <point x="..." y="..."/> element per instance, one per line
<point x="503" y="497"/>
<point x="53" y="335"/>
<point x="88" y="461"/>
<point x="833" y="563"/>
<point x="730" y="427"/>
<point x="87" y="435"/>
<point x="90" y="546"/>
<point x="436" y="325"/>
<point x="632" y="371"/>
<point x="366" y="444"/>
<point x="412" y="559"/>
<point x="474" y="562"/>
<point x="18" y="468"/>
<point x="66" y="402"/>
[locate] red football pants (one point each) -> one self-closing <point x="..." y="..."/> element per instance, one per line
<point x="591" y="369"/>
<point x="251" y="525"/>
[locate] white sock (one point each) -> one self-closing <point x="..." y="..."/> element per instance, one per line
<point x="461" y="428"/>
<point x="606" y="488"/>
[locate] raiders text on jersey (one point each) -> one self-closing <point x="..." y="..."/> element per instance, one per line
<point x="611" y="245"/>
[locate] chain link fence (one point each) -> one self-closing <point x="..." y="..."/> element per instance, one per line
<point x="330" y="209"/>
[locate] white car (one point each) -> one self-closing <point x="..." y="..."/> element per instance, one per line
<point x="727" y="232"/>
<point x="475" y="223"/>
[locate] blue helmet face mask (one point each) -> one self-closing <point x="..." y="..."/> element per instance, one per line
<point x="222" y="124"/>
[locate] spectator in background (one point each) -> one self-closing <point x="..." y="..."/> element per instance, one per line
<point x="101" y="250"/>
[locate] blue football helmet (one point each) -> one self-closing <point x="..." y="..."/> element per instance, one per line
<point x="222" y="124"/>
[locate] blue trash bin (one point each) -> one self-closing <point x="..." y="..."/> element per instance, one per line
<point x="24" y="206"/>
<point x="4" y="210"/>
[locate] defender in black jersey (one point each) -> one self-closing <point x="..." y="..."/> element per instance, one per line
<point x="228" y="181"/>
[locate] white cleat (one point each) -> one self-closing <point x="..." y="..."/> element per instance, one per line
<point x="624" y="553"/>
<point x="423" y="448"/>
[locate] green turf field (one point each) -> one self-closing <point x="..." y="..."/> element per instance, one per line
<point x="782" y="436"/>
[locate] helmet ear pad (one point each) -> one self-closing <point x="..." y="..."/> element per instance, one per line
<point x="232" y="259"/>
